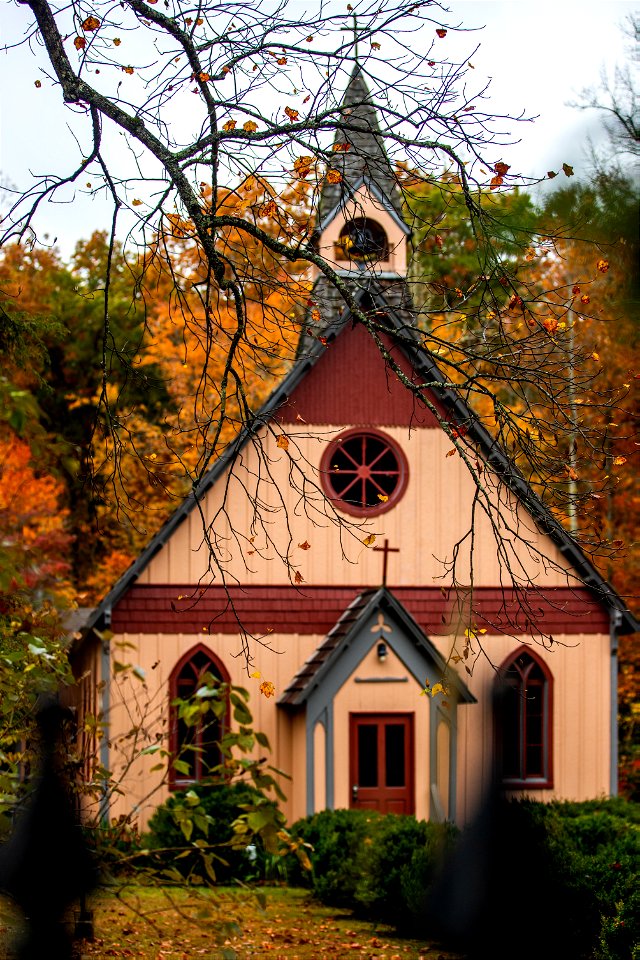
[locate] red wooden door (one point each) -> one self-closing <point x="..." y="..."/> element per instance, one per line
<point x="381" y="762"/>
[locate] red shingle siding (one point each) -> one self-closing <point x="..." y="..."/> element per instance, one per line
<point x="315" y="610"/>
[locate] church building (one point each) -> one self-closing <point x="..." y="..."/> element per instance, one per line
<point x="335" y="523"/>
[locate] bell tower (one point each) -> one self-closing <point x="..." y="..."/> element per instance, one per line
<point x="360" y="230"/>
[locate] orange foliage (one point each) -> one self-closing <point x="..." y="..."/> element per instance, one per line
<point x="35" y="540"/>
<point x="221" y="358"/>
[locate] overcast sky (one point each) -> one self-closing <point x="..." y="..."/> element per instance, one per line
<point x="539" y="53"/>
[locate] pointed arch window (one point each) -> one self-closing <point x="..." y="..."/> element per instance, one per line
<point x="195" y="746"/>
<point x="524" y="724"/>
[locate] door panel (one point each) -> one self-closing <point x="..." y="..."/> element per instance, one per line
<point x="381" y="762"/>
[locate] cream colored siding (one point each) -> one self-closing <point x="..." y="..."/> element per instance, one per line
<point x="143" y="707"/>
<point x="424" y="530"/>
<point x="581" y="750"/>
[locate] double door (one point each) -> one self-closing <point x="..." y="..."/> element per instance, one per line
<point x="381" y="762"/>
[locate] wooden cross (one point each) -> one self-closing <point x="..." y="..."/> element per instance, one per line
<point x="386" y="549"/>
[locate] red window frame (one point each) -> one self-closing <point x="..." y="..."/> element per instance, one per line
<point x="187" y="669"/>
<point x="360" y="472"/>
<point x="524" y="722"/>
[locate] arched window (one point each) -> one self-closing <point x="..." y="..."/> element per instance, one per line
<point x="195" y="746"/>
<point x="524" y="729"/>
<point x="362" y="240"/>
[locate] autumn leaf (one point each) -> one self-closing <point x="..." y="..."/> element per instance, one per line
<point x="128" y="70"/>
<point x="281" y="61"/>
<point x="229" y="125"/>
<point x="439" y="241"/>
<point x="268" y="209"/>
<point x="585" y="298"/>
<point x="282" y="442"/>
<point x="496" y="182"/>
<point x="334" y="176"/>
<point x="550" y="324"/>
<point x="91" y="23"/>
<point x="369" y="540"/>
<point x="571" y="473"/>
<point x="450" y="453"/>
<point x="298" y="577"/>
<point x="595" y="356"/>
<point x="618" y="461"/>
<point x="316" y="315"/>
<point x="117" y="41"/>
<point x="302" y="166"/>
<point x="79" y="43"/>
<point x="375" y="46"/>
<point x="38" y="84"/>
<point x="382" y="497"/>
<point x="250" y="126"/>
<point x="567" y="170"/>
<point x="441" y="32"/>
<point x="575" y="290"/>
<point x="341" y="147"/>
<point x="292" y="114"/>
<point x="203" y="77"/>
<point x="136" y="203"/>
<point x="267" y="689"/>
<point x="501" y="168"/>
<point x="551" y="174"/>
<point x="603" y="266"/>
<point x="256" y="675"/>
<point x="305" y="546"/>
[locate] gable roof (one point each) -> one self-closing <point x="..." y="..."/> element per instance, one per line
<point x="349" y="191"/>
<point x="348" y="630"/>
<point x="366" y="156"/>
<point x="459" y="414"/>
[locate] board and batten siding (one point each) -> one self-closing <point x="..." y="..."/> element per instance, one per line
<point x="579" y="665"/>
<point x="433" y="514"/>
<point x="145" y="705"/>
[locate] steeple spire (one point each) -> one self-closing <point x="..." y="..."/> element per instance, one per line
<point x="366" y="156"/>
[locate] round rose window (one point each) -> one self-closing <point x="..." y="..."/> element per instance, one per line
<point x="364" y="472"/>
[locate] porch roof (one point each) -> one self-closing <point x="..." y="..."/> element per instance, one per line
<point x="345" y="632"/>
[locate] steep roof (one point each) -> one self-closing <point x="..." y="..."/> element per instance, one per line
<point x="366" y="159"/>
<point x="459" y="414"/>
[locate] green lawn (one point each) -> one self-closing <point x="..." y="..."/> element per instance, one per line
<point x="270" y="923"/>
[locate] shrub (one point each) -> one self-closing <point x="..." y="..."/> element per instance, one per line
<point x="339" y="840"/>
<point x="192" y="836"/>
<point x="567" y="865"/>
<point x="379" y="865"/>
<point x="400" y="866"/>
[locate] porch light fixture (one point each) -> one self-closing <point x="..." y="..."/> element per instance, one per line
<point x="383" y="653"/>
